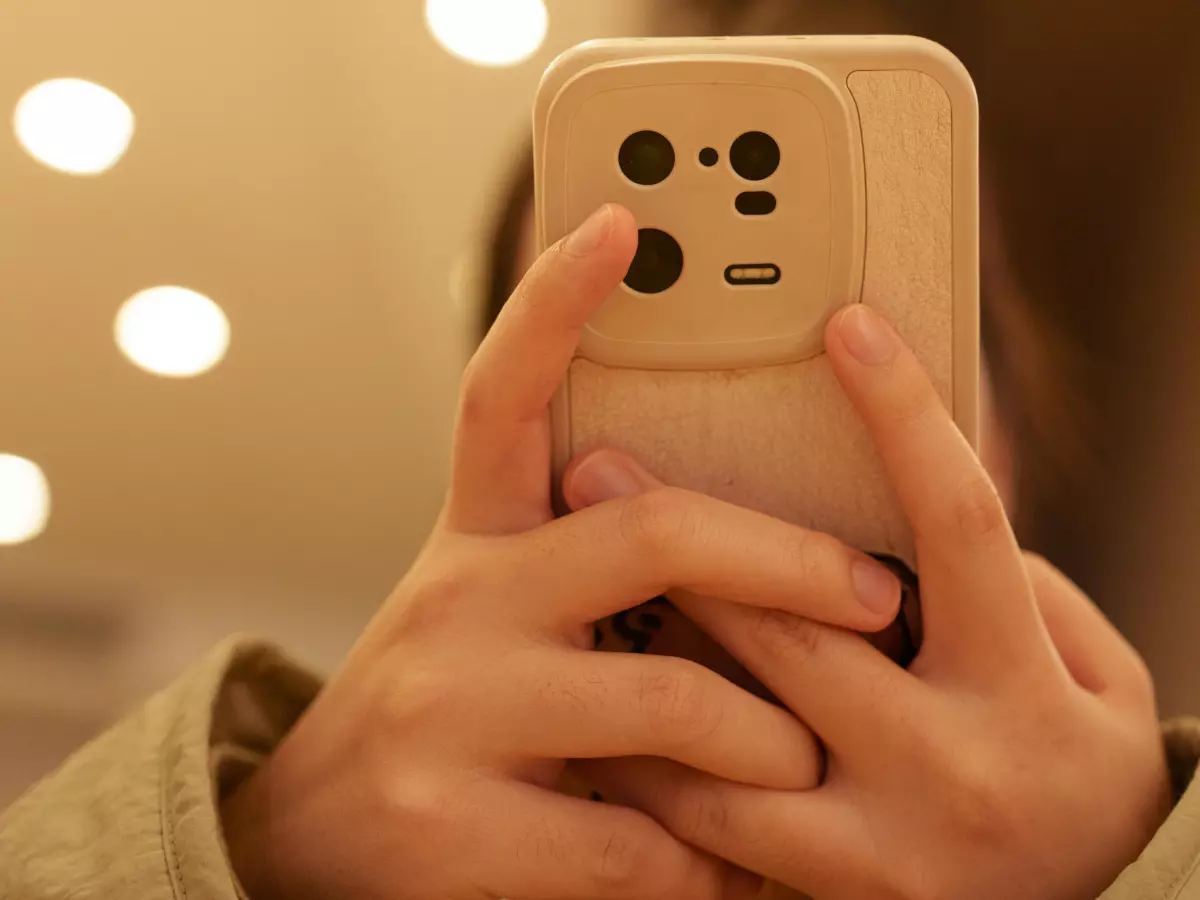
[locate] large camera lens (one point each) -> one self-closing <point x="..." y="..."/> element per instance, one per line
<point x="646" y="157"/>
<point x="657" y="264"/>
<point x="754" y="156"/>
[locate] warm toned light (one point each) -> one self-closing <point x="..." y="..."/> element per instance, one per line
<point x="488" y="32"/>
<point x="73" y="126"/>
<point x="172" y="331"/>
<point x="24" y="500"/>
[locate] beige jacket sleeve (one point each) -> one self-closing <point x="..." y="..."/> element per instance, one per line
<point x="134" y="814"/>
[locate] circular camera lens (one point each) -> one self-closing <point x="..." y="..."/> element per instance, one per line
<point x="657" y="264"/>
<point x="754" y="156"/>
<point x="646" y="157"/>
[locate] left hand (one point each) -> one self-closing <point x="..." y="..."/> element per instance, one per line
<point x="1018" y="756"/>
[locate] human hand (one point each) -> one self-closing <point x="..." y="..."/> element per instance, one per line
<point x="1018" y="756"/>
<point x="428" y="766"/>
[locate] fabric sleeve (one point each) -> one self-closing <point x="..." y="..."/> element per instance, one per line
<point x="134" y="814"/>
<point x="1167" y="868"/>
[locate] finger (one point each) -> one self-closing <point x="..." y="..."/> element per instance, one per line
<point x="810" y="841"/>
<point x="1096" y="655"/>
<point x="974" y="591"/>
<point x="848" y="692"/>
<point x="500" y="477"/>
<point x="616" y="704"/>
<point x="638" y="546"/>
<point x="545" y="846"/>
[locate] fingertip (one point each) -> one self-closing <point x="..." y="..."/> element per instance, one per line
<point x="610" y="230"/>
<point x="624" y="235"/>
<point x="864" y="335"/>
<point x="835" y="347"/>
<point x="833" y="341"/>
<point x="877" y="589"/>
<point x="603" y="474"/>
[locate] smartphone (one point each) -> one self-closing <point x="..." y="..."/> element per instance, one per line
<point x="774" y="181"/>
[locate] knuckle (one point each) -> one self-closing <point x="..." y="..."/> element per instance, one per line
<point x="984" y="803"/>
<point x="786" y="637"/>
<point x="1038" y="563"/>
<point x="678" y="701"/>
<point x="976" y="512"/>
<point x="656" y="521"/>
<point x="620" y="863"/>
<point x="1043" y="574"/>
<point x="475" y="394"/>
<point x="809" y="554"/>
<point x="701" y="818"/>
<point x="914" y="402"/>
<point x="435" y="598"/>
<point x="419" y="801"/>
<point x="1141" y="679"/>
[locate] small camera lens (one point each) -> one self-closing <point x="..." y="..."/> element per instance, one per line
<point x="657" y="264"/>
<point x="754" y="156"/>
<point x="646" y="157"/>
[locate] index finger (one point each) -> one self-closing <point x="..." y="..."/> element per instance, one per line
<point x="616" y="554"/>
<point x="500" y="471"/>
<point x="974" y="589"/>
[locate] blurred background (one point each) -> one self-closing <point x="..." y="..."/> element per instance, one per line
<point x="243" y="251"/>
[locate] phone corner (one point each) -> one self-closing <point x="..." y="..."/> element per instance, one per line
<point x="944" y="65"/>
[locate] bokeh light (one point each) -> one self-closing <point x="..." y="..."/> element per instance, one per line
<point x="73" y="126"/>
<point x="172" y="331"/>
<point x="24" y="500"/>
<point x="488" y="32"/>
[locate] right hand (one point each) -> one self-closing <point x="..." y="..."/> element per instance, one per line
<point x="428" y="766"/>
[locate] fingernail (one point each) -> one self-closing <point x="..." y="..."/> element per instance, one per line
<point x="602" y="477"/>
<point x="877" y="588"/>
<point x="591" y="234"/>
<point x="869" y="339"/>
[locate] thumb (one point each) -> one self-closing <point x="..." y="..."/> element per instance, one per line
<point x="602" y="475"/>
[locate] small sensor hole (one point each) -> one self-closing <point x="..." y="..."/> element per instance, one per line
<point x="709" y="157"/>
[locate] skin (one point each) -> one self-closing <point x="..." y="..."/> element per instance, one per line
<point x="1017" y="756"/>
<point x="1020" y="749"/>
<point x="664" y="630"/>
<point x="429" y="765"/>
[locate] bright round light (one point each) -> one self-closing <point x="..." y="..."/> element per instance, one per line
<point x="172" y="331"/>
<point x="24" y="500"/>
<point x="73" y="125"/>
<point x="488" y="32"/>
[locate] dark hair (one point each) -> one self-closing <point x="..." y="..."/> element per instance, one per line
<point x="516" y="204"/>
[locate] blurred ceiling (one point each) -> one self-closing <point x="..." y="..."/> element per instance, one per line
<point x="320" y="171"/>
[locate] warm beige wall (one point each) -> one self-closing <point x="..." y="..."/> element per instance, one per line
<point x="320" y="170"/>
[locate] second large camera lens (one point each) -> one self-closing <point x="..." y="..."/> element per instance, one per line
<point x="754" y="156"/>
<point x="657" y="264"/>
<point x="646" y="157"/>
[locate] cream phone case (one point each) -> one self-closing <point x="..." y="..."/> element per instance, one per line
<point x="723" y="388"/>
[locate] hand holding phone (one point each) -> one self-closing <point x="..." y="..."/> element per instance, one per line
<point x="775" y="181"/>
<point x="428" y="765"/>
<point x="1019" y="755"/>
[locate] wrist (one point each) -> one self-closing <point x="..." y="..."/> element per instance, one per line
<point x="259" y="820"/>
<point x="246" y="823"/>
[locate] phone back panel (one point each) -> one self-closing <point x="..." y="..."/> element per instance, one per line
<point x="781" y="437"/>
